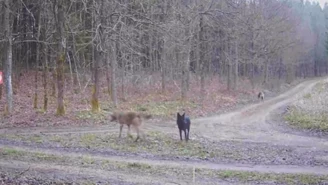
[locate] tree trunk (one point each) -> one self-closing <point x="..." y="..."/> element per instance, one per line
<point x="123" y="81"/>
<point x="70" y="68"/>
<point x="229" y="76"/>
<point x="95" y="91"/>
<point x="266" y="70"/>
<point x="185" y="66"/>
<point x="53" y="82"/>
<point x="38" y="46"/>
<point x="236" y="66"/>
<point x="97" y="56"/>
<point x="44" y="78"/>
<point x="107" y="75"/>
<point x="202" y="57"/>
<point x="113" y="75"/>
<point x="61" y="57"/>
<point x="60" y="84"/>
<point x="8" y="64"/>
<point x="163" y="66"/>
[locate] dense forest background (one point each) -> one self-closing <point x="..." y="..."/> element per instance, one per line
<point x="78" y="53"/>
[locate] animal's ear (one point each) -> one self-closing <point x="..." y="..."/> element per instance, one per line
<point x="178" y="114"/>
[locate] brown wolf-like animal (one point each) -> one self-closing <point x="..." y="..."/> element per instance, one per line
<point x="129" y="118"/>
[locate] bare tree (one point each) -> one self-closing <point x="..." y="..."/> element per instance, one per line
<point x="8" y="63"/>
<point x="61" y="44"/>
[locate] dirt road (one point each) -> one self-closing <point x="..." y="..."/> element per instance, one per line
<point x="248" y="125"/>
<point x="253" y="124"/>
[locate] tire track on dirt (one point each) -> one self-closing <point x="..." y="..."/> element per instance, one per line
<point x="290" y="169"/>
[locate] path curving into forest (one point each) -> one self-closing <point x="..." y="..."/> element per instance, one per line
<point x="253" y="124"/>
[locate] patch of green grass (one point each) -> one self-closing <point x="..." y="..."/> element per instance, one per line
<point x="11" y="136"/>
<point x="55" y="138"/>
<point x="35" y="138"/>
<point x="45" y="157"/>
<point x="320" y="87"/>
<point x="10" y="152"/>
<point x="88" y="183"/>
<point x="88" y="140"/>
<point x="164" y="109"/>
<point x="138" y="166"/>
<point x="139" y="107"/>
<point x="89" y="115"/>
<point x="307" y="96"/>
<point x="40" y="111"/>
<point x="291" y="179"/>
<point x="304" y="120"/>
<point x="87" y="161"/>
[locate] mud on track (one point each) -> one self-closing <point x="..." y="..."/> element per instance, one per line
<point x="242" y="140"/>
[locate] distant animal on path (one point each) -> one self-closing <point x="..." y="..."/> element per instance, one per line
<point x="130" y="118"/>
<point x="261" y="95"/>
<point x="183" y="123"/>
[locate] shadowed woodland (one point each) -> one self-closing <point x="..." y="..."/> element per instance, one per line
<point x="65" y="57"/>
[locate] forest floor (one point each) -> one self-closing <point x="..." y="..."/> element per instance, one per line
<point x="250" y="144"/>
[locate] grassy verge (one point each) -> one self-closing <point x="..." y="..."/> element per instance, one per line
<point x="161" y="145"/>
<point x="160" y="170"/>
<point x="155" y="143"/>
<point x="304" y="120"/>
<point x="290" y="179"/>
<point x="310" y="111"/>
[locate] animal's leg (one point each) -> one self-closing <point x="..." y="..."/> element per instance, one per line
<point x="121" y="127"/>
<point x="185" y="131"/>
<point x="137" y="134"/>
<point x="180" y="134"/>
<point x="188" y="134"/>
<point x="188" y="130"/>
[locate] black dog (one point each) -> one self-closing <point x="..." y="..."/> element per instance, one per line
<point x="183" y="124"/>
